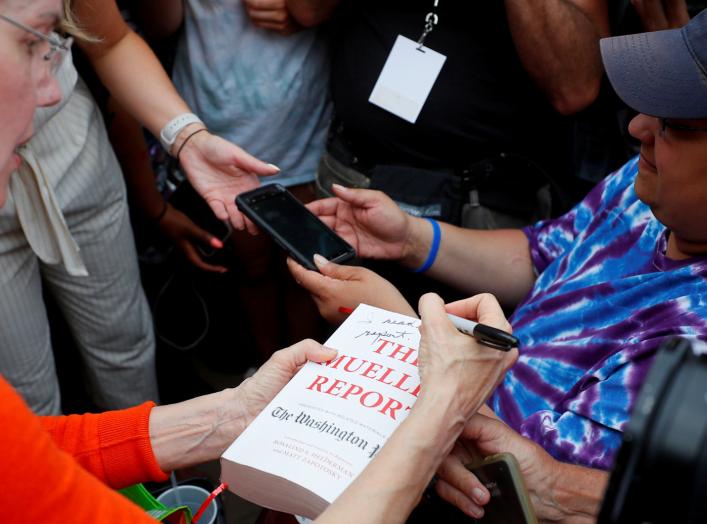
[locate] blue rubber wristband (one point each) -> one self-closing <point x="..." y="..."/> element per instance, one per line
<point x="434" y="248"/>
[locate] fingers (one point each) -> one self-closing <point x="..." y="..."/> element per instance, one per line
<point x="201" y="235"/>
<point x="677" y="13"/>
<point x="235" y="216"/>
<point x="482" y="308"/>
<point x="433" y="315"/>
<point x="310" y="280"/>
<point x="267" y="5"/>
<point x="357" y="197"/>
<point x="192" y="256"/>
<point x="309" y="350"/>
<point x="275" y="17"/>
<point x="652" y="14"/>
<point x="251" y="227"/>
<point x="457" y="497"/>
<point x="333" y="270"/>
<point x="489" y="435"/>
<point x="330" y="222"/>
<point x="219" y="209"/>
<point x="249" y="163"/>
<point x="324" y="207"/>
<point x="459" y="484"/>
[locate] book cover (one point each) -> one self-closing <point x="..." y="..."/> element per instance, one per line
<point x="331" y="419"/>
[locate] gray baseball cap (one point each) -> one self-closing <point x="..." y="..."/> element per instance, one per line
<point x="663" y="73"/>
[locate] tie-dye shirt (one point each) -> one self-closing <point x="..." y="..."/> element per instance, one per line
<point x="605" y="299"/>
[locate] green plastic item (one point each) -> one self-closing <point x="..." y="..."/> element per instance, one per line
<point x="139" y="495"/>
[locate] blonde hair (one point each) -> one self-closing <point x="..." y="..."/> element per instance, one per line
<point x="71" y="26"/>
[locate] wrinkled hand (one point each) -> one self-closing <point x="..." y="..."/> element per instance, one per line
<point x="185" y="234"/>
<point x="219" y="171"/>
<point x="368" y="220"/>
<point x="484" y="436"/>
<point x="450" y="359"/>
<point x="347" y="286"/>
<point x="272" y="376"/>
<point x="657" y="15"/>
<point x="272" y="15"/>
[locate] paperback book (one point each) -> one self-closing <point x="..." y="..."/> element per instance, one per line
<point x="331" y="419"/>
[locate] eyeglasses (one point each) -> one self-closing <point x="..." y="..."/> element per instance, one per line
<point x="666" y="123"/>
<point x="59" y="47"/>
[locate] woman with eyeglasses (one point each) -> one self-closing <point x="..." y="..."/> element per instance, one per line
<point x="61" y="469"/>
<point x="66" y="230"/>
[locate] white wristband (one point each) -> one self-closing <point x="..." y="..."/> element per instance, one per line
<point x="171" y="130"/>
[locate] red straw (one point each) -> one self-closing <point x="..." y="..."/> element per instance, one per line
<point x="215" y="493"/>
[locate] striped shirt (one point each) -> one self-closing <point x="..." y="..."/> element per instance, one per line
<point x="605" y="299"/>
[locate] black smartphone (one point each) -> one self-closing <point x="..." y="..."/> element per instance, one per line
<point x="510" y="501"/>
<point x="296" y="229"/>
<point x="188" y="201"/>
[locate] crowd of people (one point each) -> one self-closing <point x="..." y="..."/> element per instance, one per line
<point x="498" y="189"/>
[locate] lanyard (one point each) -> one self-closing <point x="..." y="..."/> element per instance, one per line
<point x="431" y="20"/>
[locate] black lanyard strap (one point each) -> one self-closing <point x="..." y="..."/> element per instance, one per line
<point x="431" y="20"/>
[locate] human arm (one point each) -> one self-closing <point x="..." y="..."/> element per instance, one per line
<point x="160" y="18"/>
<point x="45" y="482"/>
<point x="200" y="429"/>
<point x="139" y="444"/>
<point x="309" y="13"/>
<point x="658" y="15"/>
<point x="130" y="148"/>
<point x="392" y="484"/>
<point x="559" y="492"/>
<point x="497" y="261"/>
<point x="217" y="169"/>
<point x="336" y="286"/>
<point x="558" y="43"/>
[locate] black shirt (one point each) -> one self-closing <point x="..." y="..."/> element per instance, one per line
<point x="482" y="103"/>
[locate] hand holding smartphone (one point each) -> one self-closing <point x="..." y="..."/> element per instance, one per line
<point x="293" y="227"/>
<point x="509" y="501"/>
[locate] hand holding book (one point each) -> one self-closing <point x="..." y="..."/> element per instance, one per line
<point x="321" y="439"/>
<point x="450" y="359"/>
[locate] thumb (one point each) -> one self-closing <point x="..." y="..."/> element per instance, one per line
<point x="486" y="433"/>
<point x="356" y="197"/>
<point x="333" y="270"/>
<point x="433" y="315"/>
<point x="310" y="350"/>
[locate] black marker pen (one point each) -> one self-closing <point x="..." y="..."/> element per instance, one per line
<point x="487" y="335"/>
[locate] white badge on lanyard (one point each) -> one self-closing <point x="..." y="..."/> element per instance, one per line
<point x="408" y="74"/>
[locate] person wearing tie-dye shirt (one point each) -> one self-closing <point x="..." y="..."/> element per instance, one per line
<point x="595" y="291"/>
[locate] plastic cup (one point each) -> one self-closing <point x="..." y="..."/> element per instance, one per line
<point x="193" y="497"/>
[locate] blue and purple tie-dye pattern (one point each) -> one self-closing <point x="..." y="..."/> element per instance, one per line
<point x="605" y="299"/>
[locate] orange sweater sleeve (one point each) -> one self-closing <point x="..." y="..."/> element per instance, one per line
<point x="113" y="446"/>
<point x="42" y="483"/>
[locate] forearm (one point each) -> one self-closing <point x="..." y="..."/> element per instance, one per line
<point x="131" y="149"/>
<point x="309" y="13"/>
<point x="197" y="430"/>
<point x="575" y="495"/>
<point x="127" y="66"/>
<point x="558" y="43"/>
<point x="394" y="481"/>
<point x="474" y="261"/>
<point x="134" y="76"/>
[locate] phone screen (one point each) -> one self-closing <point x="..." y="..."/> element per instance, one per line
<point x="296" y="226"/>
